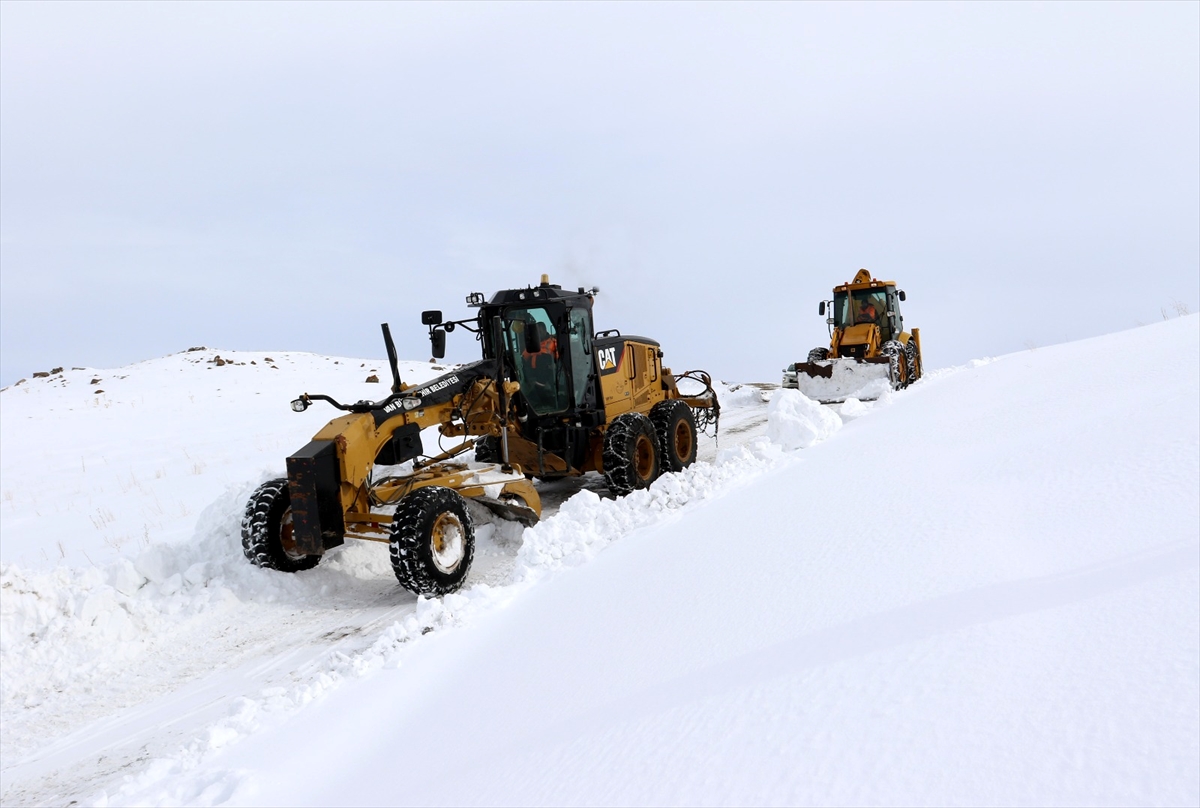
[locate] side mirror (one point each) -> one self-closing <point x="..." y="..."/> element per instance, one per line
<point x="532" y="343"/>
<point x="432" y="317"/>
<point x="821" y="308"/>
<point x="900" y="294"/>
<point x="438" y="340"/>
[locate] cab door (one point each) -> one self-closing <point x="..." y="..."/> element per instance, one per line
<point x="579" y="340"/>
<point x="542" y="374"/>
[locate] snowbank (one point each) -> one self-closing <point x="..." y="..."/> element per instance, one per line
<point x="1016" y="586"/>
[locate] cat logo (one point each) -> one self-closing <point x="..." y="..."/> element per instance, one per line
<point x="608" y="359"/>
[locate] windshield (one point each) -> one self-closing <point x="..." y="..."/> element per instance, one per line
<point x="860" y="306"/>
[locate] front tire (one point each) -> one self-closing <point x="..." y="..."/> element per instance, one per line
<point x="914" y="361"/>
<point x="631" y="455"/>
<point x="267" y="539"/>
<point x="818" y="354"/>
<point x="675" y="426"/>
<point x="432" y="542"/>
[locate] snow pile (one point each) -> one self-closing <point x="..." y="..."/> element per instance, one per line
<point x="863" y="380"/>
<point x="852" y="408"/>
<point x="797" y="422"/>
<point x="586" y="524"/>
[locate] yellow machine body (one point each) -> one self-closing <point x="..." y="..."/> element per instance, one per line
<point x="334" y="481"/>
<point x="869" y="349"/>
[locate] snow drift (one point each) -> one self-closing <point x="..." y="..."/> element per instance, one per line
<point x="985" y="589"/>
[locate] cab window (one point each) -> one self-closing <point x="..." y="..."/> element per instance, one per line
<point x="861" y="306"/>
<point x="540" y="373"/>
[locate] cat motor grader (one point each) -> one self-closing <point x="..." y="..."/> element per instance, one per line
<point x="869" y="350"/>
<point x="550" y="398"/>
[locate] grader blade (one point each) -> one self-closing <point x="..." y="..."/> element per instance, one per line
<point x="831" y="381"/>
<point x="511" y="509"/>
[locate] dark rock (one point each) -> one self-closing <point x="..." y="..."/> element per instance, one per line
<point x="373" y="379"/>
<point x="95" y="381"/>
<point x="41" y="374"/>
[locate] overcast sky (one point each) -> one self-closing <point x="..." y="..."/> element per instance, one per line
<point x="285" y="176"/>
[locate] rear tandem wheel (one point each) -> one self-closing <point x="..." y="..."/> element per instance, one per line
<point x="632" y="459"/>
<point x="675" y="426"/>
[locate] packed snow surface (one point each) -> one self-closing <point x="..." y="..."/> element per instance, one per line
<point x="982" y="590"/>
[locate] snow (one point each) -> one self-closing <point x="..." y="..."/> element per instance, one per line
<point x="849" y="379"/>
<point x="982" y="589"/>
<point x="797" y="422"/>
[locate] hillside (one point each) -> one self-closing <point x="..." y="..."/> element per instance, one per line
<point x="982" y="590"/>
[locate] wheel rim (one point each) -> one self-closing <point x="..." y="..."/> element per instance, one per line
<point x="287" y="538"/>
<point x="644" y="457"/>
<point x="448" y="542"/>
<point x="683" y="441"/>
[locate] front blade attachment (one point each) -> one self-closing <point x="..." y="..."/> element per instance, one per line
<point x="831" y="381"/>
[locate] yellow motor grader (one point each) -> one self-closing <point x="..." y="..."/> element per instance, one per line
<point x="550" y="398"/>
<point x="869" y="350"/>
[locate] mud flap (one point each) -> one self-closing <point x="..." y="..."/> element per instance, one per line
<point x="831" y="381"/>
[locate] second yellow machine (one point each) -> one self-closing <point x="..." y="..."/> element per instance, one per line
<point x="550" y="398"/>
<point x="869" y="350"/>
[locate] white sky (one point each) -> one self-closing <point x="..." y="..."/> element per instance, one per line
<point x="287" y="176"/>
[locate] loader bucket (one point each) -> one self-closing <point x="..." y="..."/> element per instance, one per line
<point x="830" y="381"/>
